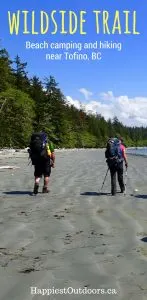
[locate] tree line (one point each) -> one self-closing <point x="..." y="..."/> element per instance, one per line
<point x="29" y="105"/>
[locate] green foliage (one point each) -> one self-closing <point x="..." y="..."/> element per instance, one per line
<point x="6" y="76"/>
<point x="27" y="105"/>
<point x="21" y="80"/>
<point x="15" y="118"/>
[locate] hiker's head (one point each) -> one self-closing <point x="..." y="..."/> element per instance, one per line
<point x="121" y="139"/>
<point x="122" y="142"/>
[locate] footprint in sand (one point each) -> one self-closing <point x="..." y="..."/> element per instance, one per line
<point x="27" y="270"/>
<point x="22" y="213"/>
<point x="59" y="216"/>
<point x="69" y="238"/>
<point x="100" y="211"/>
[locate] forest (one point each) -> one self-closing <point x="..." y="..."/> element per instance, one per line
<point x="29" y="105"/>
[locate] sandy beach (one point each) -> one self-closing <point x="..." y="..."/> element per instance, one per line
<point x="74" y="236"/>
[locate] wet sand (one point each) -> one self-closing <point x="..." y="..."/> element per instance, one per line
<point x="74" y="236"/>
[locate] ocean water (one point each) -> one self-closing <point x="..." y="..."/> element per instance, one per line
<point x="141" y="151"/>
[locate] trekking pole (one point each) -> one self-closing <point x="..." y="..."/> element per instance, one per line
<point x="104" y="180"/>
<point x="125" y="183"/>
<point x="29" y="162"/>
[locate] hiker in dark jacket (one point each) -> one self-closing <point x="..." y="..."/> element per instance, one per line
<point x="115" y="154"/>
<point x="43" y="158"/>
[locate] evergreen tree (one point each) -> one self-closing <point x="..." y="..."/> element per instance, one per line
<point x="21" y="80"/>
<point x="6" y="76"/>
<point x="55" y="110"/>
<point x="16" y="117"/>
<point x="38" y="95"/>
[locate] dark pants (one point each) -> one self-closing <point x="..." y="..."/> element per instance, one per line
<point x="42" y="167"/>
<point x="119" y="171"/>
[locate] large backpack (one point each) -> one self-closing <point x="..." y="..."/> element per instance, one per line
<point x="113" y="152"/>
<point x="38" y="147"/>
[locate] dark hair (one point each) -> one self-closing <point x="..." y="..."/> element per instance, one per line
<point x="121" y="139"/>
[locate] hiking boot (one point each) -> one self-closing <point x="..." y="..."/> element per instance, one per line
<point x="122" y="190"/>
<point x="36" y="187"/>
<point x="45" y="190"/>
<point x="113" y="192"/>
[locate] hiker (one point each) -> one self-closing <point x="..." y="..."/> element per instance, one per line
<point x="115" y="154"/>
<point x="42" y="155"/>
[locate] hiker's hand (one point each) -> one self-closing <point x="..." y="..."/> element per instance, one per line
<point x="126" y="165"/>
<point x="52" y="163"/>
